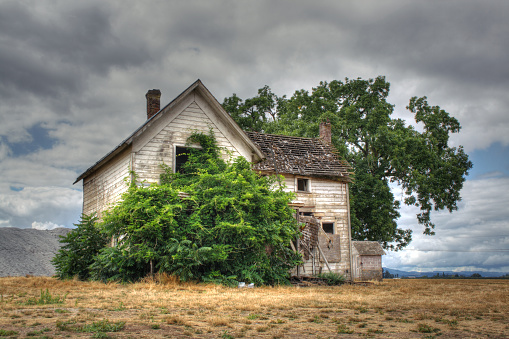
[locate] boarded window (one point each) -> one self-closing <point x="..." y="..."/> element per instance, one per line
<point x="328" y="227"/>
<point x="302" y="185"/>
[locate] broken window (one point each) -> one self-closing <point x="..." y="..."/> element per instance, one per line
<point x="328" y="227"/>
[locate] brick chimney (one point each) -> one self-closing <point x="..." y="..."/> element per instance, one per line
<point x="153" y="102"/>
<point x="325" y="131"/>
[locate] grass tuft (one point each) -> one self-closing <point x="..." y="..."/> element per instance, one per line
<point x="332" y="279"/>
<point x="100" y="326"/>
<point x="46" y="299"/>
<point x="7" y="333"/>
<point x="343" y="329"/>
<point x="226" y="335"/>
<point x="425" y="328"/>
<point x="104" y="326"/>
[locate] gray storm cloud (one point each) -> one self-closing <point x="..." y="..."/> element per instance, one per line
<point x="77" y="72"/>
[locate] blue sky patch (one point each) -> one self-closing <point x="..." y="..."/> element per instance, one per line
<point x="40" y="140"/>
<point x="493" y="161"/>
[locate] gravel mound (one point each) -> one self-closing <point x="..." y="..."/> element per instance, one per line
<point x="28" y="251"/>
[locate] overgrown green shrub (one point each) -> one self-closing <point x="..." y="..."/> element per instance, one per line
<point x="80" y="246"/>
<point x="216" y="221"/>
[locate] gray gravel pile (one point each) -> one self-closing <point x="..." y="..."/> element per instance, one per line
<point x="28" y="251"/>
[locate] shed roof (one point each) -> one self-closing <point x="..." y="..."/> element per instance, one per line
<point x="299" y="156"/>
<point x="368" y="247"/>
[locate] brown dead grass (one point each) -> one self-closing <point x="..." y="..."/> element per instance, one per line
<point x="165" y="307"/>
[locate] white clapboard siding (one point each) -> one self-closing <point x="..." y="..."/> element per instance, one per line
<point x="105" y="186"/>
<point x="160" y="149"/>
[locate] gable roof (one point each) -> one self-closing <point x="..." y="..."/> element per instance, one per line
<point x="368" y="247"/>
<point x="197" y="86"/>
<point x="299" y="156"/>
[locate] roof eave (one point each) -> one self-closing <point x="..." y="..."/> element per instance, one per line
<point x="198" y="85"/>
<point x="232" y="124"/>
<point x="130" y="138"/>
<point x="107" y="157"/>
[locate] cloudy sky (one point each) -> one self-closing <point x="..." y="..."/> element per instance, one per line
<point x="73" y="78"/>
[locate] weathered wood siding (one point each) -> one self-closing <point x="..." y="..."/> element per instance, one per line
<point x="328" y="200"/>
<point x="105" y="186"/>
<point x="331" y="247"/>
<point x="160" y="148"/>
<point x="367" y="267"/>
<point x="327" y="197"/>
<point x="154" y="145"/>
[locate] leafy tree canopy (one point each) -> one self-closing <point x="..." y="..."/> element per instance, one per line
<point x="216" y="221"/>
<point x="382" y="149"/>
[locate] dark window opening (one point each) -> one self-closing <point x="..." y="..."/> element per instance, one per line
<point x="181" y="157"/>
<point x="307" y="214"/>
<point x="302" y="185"/>
<point x="328" y="227"/>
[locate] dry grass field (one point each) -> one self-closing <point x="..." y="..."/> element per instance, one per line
<point x="41" y="307"/>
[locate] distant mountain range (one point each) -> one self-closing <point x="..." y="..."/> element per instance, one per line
<point x="415" y="274"/>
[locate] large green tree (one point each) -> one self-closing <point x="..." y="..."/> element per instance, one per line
<point x="383" y="150"/>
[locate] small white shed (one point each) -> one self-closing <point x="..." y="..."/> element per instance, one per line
<point x="367" y="260"/>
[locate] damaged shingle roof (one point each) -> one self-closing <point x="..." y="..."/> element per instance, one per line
<point x="299" y="156"/>
<point x="368" y="247"/>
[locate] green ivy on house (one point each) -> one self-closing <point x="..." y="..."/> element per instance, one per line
<point x="216" y="221"/>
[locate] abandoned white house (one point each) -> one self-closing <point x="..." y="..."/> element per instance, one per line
<point x="310" y="167"/>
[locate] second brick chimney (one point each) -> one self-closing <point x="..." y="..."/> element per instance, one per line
<point x="153" y="102"/>
<point x="325" y="131"/>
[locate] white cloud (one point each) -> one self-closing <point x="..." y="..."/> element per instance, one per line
<point x="475" y="236"/>
<point x="45" y="225"/>
<point x="22" y="172"/>
<point x="54" y="204"/>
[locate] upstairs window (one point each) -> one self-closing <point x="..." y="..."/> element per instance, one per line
<point x="302" y="185"/>
<point x="181" y="157"/>
<point x="328" y="227"/>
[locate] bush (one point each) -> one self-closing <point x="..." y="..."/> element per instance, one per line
<point x="215" y="222"/>
<point x="80" y="246"/>
<point x="331" y="278"/>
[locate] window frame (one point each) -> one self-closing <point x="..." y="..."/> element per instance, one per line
<point x="331" y="223"/>
<point x="174" y="158"/>
<point x="308" y="185"/>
